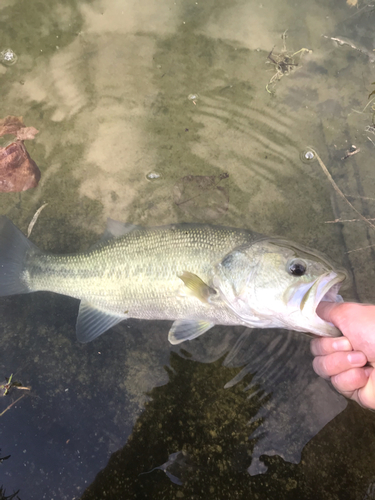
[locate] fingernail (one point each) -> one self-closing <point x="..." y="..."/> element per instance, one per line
<point x="357" y="358"/>
<point x="368" y="370"/>
<point x="342" y="344"/>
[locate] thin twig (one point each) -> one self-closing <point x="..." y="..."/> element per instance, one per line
<point x="360" y="197"/>
<point x="341" y="220"/>
<point x="34" y="219"/>
<point x="368" y="104"/>
<point x="351" y="153"/>
<point x="338" y="190"/>
<point x="303" y="50"/>
<point x="362" y="248"/>
<point x="10" y="406"/>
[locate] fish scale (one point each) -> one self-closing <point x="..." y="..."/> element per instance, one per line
<point x="138" y="271"/>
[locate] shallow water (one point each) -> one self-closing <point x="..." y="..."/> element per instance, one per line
<point x="133" y="101"/>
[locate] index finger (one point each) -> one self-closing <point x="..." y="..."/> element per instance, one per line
<point x="356" y="321"/>
<point x="327" y="345"/>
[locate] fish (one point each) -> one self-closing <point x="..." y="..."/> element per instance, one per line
<point x="179" y="462"/>
<point x="196" y="275"/>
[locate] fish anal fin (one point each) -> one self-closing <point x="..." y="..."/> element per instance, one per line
<point x="187" y="329"/>
<point x="197" y="286"/>
<point x="92" y="322"/>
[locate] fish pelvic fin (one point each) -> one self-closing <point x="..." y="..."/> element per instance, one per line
<point x="13" y="249"/>
<point x="197" y="287"/>
<point x="92" y="322"/>
<point x="187" y="329"/>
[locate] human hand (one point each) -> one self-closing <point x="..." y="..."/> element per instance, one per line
<point x="348" y="361"/>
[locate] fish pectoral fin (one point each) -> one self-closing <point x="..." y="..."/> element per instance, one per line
<point x="187" y="329"/>
<point x="197" y="287"/>
<point x="92" y="322"/>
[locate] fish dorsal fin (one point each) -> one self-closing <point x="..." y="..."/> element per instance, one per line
<point x="197" y="287"/>
<point x="114" y="229"/>
<point x="187" y="329"/>
<point x="92" y="322"/>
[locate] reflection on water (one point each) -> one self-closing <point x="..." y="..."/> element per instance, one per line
<point x="109" y="86"/>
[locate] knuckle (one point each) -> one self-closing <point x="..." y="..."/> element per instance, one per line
<point x="319" y="366"/>
<point x="320" y="347"/>
<point x="349" y="380"/>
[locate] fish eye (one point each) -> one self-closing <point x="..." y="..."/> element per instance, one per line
<point x="297" y="267"/>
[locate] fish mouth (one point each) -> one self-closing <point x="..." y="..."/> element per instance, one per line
<point x="324" y="289"/>
<point x="305" y="298"/>
<point x="327" y="288"/>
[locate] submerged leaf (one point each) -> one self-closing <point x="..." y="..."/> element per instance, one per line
<point x="27" y="133"/>
<point x="18" y="171"/>
<point x="11" y="125"/>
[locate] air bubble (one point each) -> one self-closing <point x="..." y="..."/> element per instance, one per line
<point x="308" y="155"/>
<point x="152" y="176"/>
<point x="8" y="57"/>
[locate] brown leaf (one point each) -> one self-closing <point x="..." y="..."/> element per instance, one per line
<point x="11" y="125"/>
<point x="18" y="171"/>
<point x="14" y="125"/>
<point x="27" y="133"/>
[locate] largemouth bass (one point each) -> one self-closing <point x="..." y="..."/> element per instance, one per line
<point x="194" y="274"/>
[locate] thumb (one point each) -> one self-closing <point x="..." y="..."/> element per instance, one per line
<point x="328" y="311"/>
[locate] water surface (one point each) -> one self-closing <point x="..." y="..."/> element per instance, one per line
<point x="154" y="113"/>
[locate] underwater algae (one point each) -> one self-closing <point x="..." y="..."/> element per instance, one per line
<point x="192" y="414"/>
<point x="191" y="441"/>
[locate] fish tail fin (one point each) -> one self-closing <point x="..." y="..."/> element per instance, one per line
<point x="13" y="248"/>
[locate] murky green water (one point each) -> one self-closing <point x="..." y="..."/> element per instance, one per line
<point x="120" y="90"/>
